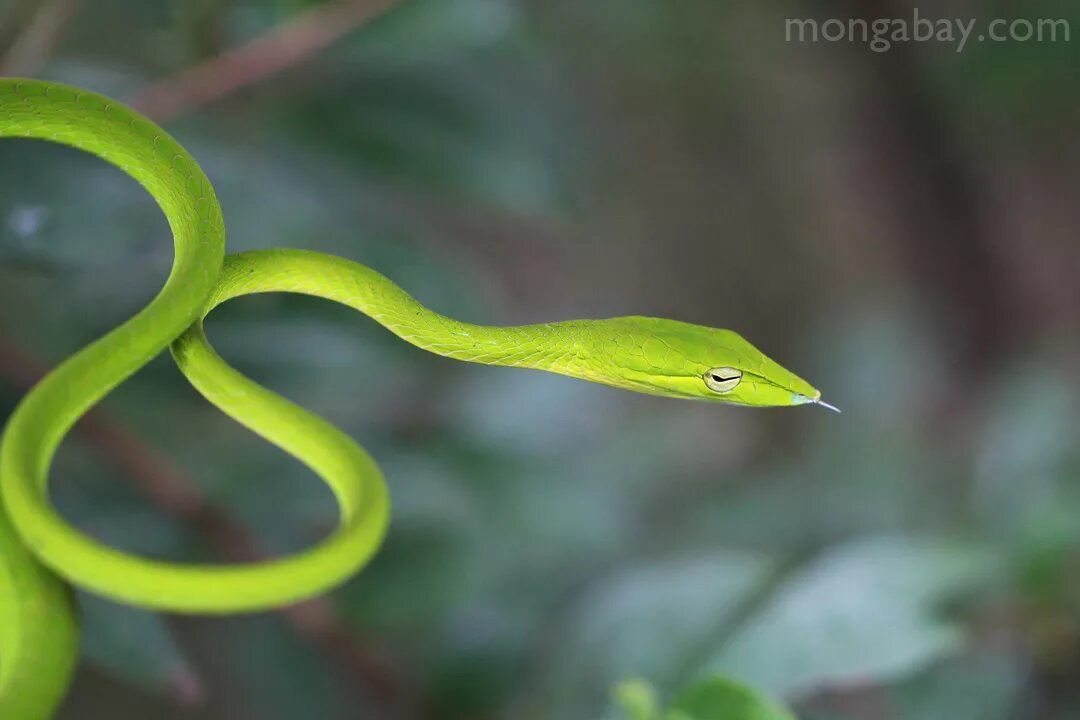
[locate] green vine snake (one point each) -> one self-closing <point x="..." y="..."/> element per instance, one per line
<point x="40" y="552"/>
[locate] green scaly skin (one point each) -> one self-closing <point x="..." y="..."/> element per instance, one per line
<point x="40" y="552"/>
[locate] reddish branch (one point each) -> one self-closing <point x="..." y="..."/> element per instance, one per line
<point x="282" y="47"/>
<point x="35" y="43"/>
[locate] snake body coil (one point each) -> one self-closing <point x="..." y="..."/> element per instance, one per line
<point x="39" y="550"/>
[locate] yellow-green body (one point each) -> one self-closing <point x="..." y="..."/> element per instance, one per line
<point x="40" y="551"/>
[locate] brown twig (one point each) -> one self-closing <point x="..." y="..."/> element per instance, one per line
<point x="33" y="46"/>
<point x="282" y="47"/>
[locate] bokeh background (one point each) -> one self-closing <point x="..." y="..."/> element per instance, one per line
<point x="898" y="227"/>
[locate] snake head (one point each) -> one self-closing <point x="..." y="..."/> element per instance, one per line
<point x="677" y="359"/>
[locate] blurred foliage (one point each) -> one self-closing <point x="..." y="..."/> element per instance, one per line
<point x="899" y="228"/>
<point x="715" y="698"/>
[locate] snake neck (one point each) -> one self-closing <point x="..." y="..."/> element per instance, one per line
<point x="567" y="348"/>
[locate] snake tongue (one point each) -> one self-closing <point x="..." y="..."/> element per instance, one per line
<point x="827" y="406"/>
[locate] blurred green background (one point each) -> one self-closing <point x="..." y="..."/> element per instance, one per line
<point x="900" y="228"/>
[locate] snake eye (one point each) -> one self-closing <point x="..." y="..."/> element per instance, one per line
<point x="723" y="379"/>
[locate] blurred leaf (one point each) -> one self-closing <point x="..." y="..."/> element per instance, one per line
<point x="862" y="610"/>
<point x="987" y="686"/>
<point x="136" y="646"/>
<point x="719" y="698"/>
<point x="1025" y="456"/>
<point x="712" y="698"/>
<point x="637" y="699"/>
<point x="648" y="620"/>
<point x="477" y="671"/>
